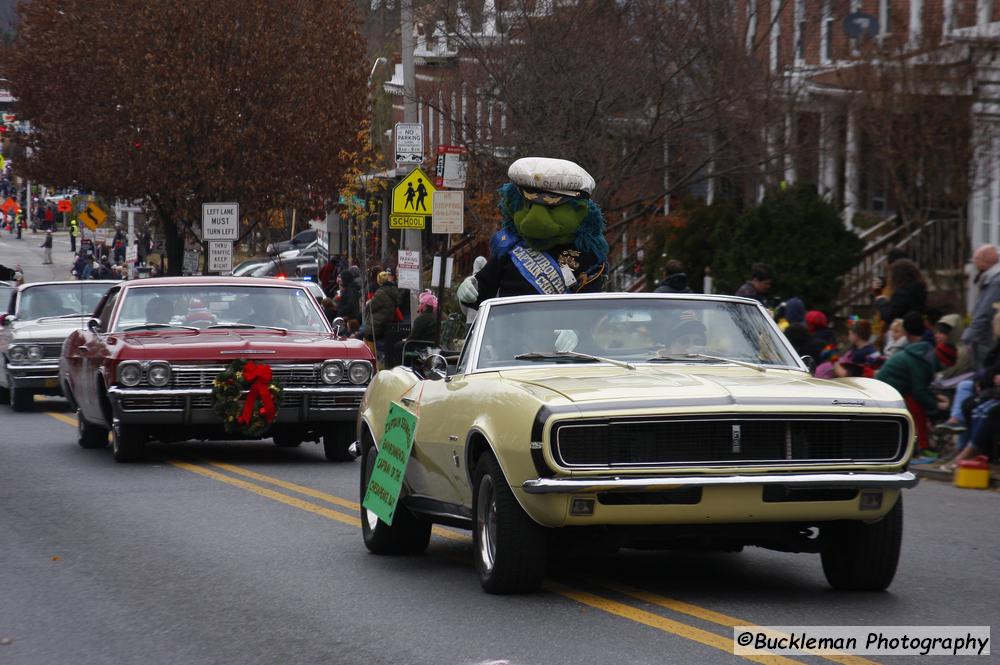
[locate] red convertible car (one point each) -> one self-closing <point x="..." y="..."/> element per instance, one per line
<point x="173" y="359"/>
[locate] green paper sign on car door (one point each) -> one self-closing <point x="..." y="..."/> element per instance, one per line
<point x="386" y="480"/>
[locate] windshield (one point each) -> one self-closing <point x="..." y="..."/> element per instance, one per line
<point x="44" y="300"/>
<point x="159" y="307"/>
<point x="630" y="330"/>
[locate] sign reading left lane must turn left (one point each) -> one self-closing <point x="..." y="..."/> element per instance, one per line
<point x="220" y="221"/>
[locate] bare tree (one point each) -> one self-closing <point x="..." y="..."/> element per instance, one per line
<point x="181" y="102"/>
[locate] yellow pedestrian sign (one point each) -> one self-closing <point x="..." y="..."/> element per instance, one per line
<point x="412" y="201"/>
<point x="92" y="216"/>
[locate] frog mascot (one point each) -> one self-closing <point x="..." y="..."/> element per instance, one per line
<point x="552" y="239"/>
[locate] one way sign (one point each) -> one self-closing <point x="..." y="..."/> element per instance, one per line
<point x="409" y="143"/>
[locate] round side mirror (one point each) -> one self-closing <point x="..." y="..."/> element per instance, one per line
<point x="809" y="362"/>
<point x="435" y="367"/>
<point x="7" y="319"/>
<point x="339" y="325"/>
<point x="94" y="325"/>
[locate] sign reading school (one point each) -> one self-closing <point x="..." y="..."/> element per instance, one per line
<point x="412" y="201"/>
<point x="386" y="480"/>
<point x="220" y="221"/>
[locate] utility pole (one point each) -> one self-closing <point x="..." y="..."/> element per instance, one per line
<point x="411" y="238"/>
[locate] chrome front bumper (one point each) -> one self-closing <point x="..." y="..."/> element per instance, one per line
<point x="790" y="480"/>
<point x="194" y="406"/>
<point x="37" y="377"/>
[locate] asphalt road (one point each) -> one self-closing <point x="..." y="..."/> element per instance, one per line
<point x="28" y="253"/>
<point x="247" y="553"/>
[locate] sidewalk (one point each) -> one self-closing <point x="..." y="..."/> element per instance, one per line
<point x="935" y="472"/>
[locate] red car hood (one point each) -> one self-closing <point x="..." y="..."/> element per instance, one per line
<point x="227" y="345"/>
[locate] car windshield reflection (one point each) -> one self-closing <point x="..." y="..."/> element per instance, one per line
<point x="630" y="330"/>
<point x="46" y="300"/>
<point x="213" y="307"/>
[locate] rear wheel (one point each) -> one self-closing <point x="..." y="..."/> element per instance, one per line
<point x="408" y="534"/>
<point x="90" y="436"/>
<point x="510" y="548"/>
<point x="863" y="557"/>
<point x="20" y="399"/>
<point x="337" y="440"/>
<point x="128" y="443"/>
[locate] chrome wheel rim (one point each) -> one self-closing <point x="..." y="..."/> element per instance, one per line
<point x="486" y="524"/>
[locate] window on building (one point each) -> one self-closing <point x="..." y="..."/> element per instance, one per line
<point x="828" y="38"/>
<point x="751" y="24"/>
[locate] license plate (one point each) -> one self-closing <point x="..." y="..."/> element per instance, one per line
<point x="51" y="383"/>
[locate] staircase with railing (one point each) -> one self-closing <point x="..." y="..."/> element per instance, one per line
<point x="938" y="246"/>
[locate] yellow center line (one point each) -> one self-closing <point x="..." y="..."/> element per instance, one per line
<point x="616" y="608"/>
<point x="323" y="496"/>
<point x="270" y="494"/>
<point x="661" y="623"/>
<point x="713" y="617"/>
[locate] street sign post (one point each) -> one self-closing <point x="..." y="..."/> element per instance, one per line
<point x="452" y="161"/>
<point x="449" y="214"/>
<point x="220" y="221"/>
<point x="409" y="143"/>
<point x="220" y="257"/>
<point x="412" y="201"/>
<point x="93" y="216"/>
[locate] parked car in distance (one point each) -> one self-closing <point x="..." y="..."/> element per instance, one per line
<point x="36" y="319"/>
<point x="146" y="364"/>
<point x="248" y="266"/>
<point x="674" y="421"/>
<point x="313" y="249"/>
<point x="279" y="268"/>
<point x="298" y="241"/>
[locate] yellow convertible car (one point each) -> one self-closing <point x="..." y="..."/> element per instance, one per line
<point x="651" y="421"/>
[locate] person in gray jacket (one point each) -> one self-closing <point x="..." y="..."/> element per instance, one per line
<point x="979" y="335"/>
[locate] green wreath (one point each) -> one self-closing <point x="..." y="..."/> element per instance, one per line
<point x="253" y="414"/>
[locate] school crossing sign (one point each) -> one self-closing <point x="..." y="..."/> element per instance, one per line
<point x="412" y="201"/>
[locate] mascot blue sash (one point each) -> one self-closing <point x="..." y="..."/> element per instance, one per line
<point x="538" y="269"/>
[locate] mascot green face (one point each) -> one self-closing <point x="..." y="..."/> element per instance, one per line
<point x="543" y="226"/>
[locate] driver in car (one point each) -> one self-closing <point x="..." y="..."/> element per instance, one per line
<point x="687" y="336"/>
<point x="159" y="310"/>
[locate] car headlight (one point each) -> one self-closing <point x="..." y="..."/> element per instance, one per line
<point x="129" y="374"/>
<point x="34" y="353"/>
<point x="360" y="371"/>
<point x="332" y="371"/>
<point x="18" y="354"/>
<point x="158" y="374"/>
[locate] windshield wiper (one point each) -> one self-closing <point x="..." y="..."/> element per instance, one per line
<point x="247" y="326"/>
<point x="674" y="357"/>
<point x="155" y="326"/>
<point x="563" y="355"/>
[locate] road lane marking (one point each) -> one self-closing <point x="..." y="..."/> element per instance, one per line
<point x="661" y="623"/>
<point x="62" y="417"/>
<point x="328" y="513"/>
<point x="710" y="615"/>
<point x="323" y="496"/>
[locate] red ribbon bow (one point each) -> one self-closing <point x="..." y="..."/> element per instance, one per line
<point x="259" y="378"/>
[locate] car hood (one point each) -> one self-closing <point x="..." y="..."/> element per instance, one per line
<point x="227" y="345"/>
<point x="47" y="329"/>
<point x="716" y="386"/>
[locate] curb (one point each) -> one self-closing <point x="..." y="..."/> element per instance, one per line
<point x="935" y="473"/>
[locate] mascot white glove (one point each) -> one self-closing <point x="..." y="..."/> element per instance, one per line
<point x="566" y="341"/>
<point x="468" y="290"/>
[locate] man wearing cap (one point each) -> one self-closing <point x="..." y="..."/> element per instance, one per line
<point x="552" y="239"/>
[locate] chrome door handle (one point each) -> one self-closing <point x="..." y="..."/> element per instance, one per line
<point x="81" y="349"/>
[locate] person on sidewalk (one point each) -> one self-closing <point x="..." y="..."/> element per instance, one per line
<point x="979" y="335"/>
<point x="910" y="372"/>
<point x="760" y="282"/>
<point x="47" y="246"/>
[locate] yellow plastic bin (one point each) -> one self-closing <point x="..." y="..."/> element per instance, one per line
<point x="973" y="473"/>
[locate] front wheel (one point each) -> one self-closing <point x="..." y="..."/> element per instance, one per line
<point x="90" y="436"/>
<point x="20" y="399"/>
<point x="407" y="534"/>
<point x="510" y="548"/>
<point x="337" y="440"/>
<point x="128" y="443"/>
<point x="863" y="557"/>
